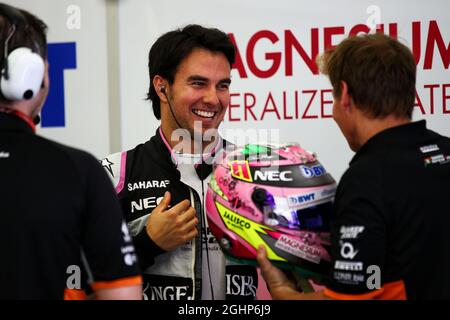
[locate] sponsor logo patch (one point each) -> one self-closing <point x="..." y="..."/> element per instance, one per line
<point x="429" y="148"/>
<point x="348" y="266"/>
<point x="351" y="232"/>
<point x="273" y="175"/>
<point x="4" y="154"/>
<point x="314" y="171"/>
<point x="148" y="184"/>
<point x="440" y="158"/>
<point x="348" y="251"/>
<point x="241" y="170"/>
<point x="146" y="203"/>
<point x="298" y="249"/>
<point x="105" y="163"/>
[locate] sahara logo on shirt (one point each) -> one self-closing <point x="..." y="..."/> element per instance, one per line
<point x="148" y="184"/>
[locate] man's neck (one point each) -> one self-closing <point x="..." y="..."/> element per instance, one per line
<point x="20" y="114"/>
<point x="367" y="127"/>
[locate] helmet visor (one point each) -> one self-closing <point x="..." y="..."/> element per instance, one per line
<point x="312" y="218"/>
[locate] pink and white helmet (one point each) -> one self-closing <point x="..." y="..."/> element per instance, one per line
<point x="277" y="196"/>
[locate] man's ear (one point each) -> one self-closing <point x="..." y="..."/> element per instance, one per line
<point x="346" y="99"/>
<point x="46" y="80"/>
<point x="160" y="86"/>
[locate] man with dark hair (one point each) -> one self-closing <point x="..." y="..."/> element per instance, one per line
<point x="161" y="183"/>
<point x="58" y="208"/>
<point x="389" y="237"/>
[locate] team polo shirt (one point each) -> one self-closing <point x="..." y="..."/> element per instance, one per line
<point x="59" y="216"/>
<point x="390" y="233"/>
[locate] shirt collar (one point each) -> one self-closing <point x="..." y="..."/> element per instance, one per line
<point x="16" y="120"/>
<point x="391" y="136"/>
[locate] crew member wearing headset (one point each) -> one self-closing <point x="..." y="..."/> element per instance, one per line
<point x="59" y="212"/>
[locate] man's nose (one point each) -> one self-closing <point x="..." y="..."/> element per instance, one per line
<point x="210" y="97"/>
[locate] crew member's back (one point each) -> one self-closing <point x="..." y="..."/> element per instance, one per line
<point x="57" y="205"/>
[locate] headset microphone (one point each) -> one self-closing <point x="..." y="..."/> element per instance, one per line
<point x="202" y="177"/>
<point x="163" y="91"/>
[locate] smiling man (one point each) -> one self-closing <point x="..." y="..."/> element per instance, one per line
<point x="195" y="101"/>
<point x="161" y="183"/>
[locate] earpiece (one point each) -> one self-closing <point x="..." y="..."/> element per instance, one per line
<point x="163" y="89"/>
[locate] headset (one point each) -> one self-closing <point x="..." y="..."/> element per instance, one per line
<point x="164" y="92"/>
<point x="22" y="70"/>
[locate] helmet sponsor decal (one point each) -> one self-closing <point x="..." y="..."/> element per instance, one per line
<point x="215" y="187"/>
<point x="313" y="171"/>
<point x="273" y="175"/>
<point x="248" y="230"/>
<point x="305" y="199"/>
<point x="241" y="170"/>
<point x="298" y="248"/>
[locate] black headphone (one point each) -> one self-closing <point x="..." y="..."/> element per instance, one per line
<point x="162" y="89"/>
<point x="22" y="70"/>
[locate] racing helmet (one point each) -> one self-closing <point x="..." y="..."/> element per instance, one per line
<point x="277" y="196"/>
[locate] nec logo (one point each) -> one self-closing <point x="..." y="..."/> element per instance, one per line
<point x="146" y="203"/>
<point x="273" y="175"/>
<point x="61" y="56"/>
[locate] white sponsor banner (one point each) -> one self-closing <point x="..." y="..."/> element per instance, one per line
<point x="276" y="85"/>
<point x="81" y="93"/>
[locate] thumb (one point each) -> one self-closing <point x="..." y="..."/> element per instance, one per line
<point x="262" y="259"/>
<point x="164" y="202"/>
